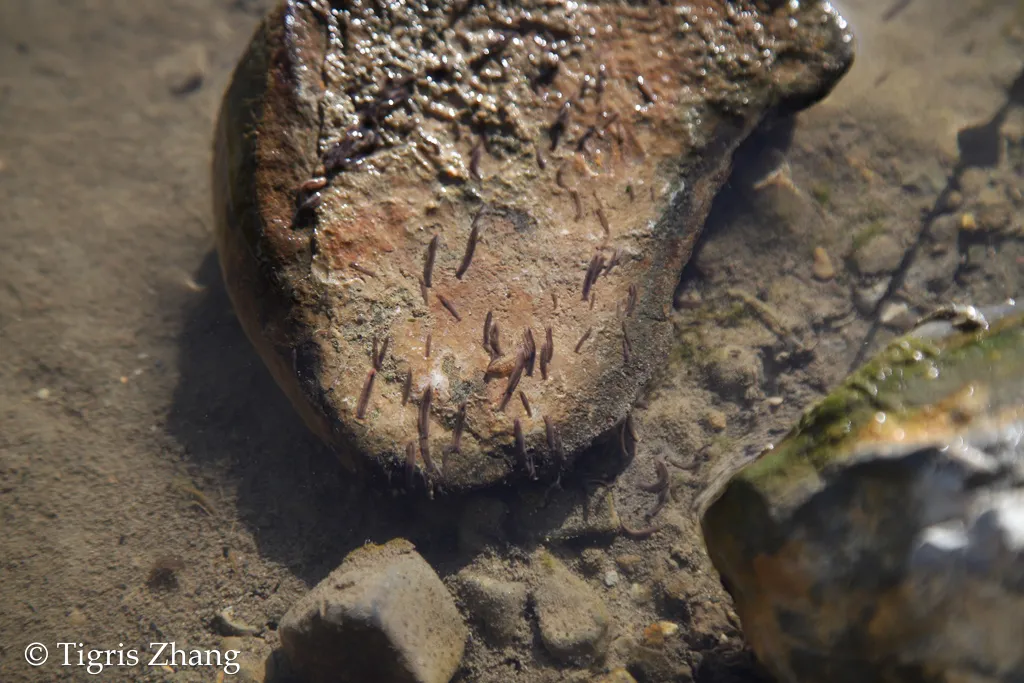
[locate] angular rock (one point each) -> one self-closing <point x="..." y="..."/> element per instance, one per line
<point x="573" y="619"/>
<point x="498" y="606"/>
<point x="382" y="616"/>
<point x="409" y="172"/>
<point x="882" y="539"/>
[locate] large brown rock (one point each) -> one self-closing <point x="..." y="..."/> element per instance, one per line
<point x="883" y="539"/>
<point x="524" y="150"/>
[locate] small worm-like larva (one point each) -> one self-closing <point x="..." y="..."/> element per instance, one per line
<point x="645" y="90"/>
<point x="423" y="422"/>
<point x="560" y="175"/>
<point x="554" y="301"/>
<point x="474" y="159"/>
<point x="601" y="217"/>
<point x="460" y="424"/>
<point x="467" y="258"/>
<point x="495" y="339"/>
<point x="526" y="403"/>
<point x="487" y="330"/>
<point x="426" y="350"/>
<point x="428" y="264"/>
<point x="639" y="533"/>
<point x="558" y="127"/>
<point x="309" y="203"/>
<point x="659" y="484"/>
<point x="593" y="271"/>
<point x="513" y="380"/>
<point x="364" y="397"/>
<point x="312" y="185"/>
<point x="530" y="348"/>
<point x="524" y="458"/>
<point x="628" y="453"/>
<point x="577" y="203"/>
<point x="378" y="359"/>
<point x="360" y="269"/>
<point x="407" y="387"/>
<point x="547" y="350"/>
<point x="631" y="301"/>
<point x="602" y="77"/>
<point x="451" y="307"/>
<point x="583" y="339"/>
<point x="541" y="161"/>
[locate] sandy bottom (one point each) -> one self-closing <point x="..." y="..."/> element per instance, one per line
<point x="152" y="475"/>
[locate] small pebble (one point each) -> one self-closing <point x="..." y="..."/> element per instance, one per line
<point x="773" y="401"/>
<point x="43" y="394"/>
<point x="881" y="254"/>
<point x="77" y="618"/>
<point x="716" y="420"/>
<point x="968" y="223"/>
<point x="628" y="564"/>
<point x="611" y="578"/>
<point x="823" y="268"/>
<point x="896" y="315"/>
<point x="640" y="594"/>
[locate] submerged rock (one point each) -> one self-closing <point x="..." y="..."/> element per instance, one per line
<point x="573" y="619"/>
<point x="431" y="216"/>
<point x="383" y="615"/>
<point x="498" y="606"/>
<point x="883" y="539"/>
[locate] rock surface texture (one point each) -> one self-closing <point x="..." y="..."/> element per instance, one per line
<point x="883" y="539"/>
<point x="453" y="231"/>
<point x="383" y="615"/>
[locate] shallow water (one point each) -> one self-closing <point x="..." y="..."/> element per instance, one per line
<point x="139" y="430"/>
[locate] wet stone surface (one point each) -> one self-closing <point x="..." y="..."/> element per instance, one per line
<point x="882" y="535"/>
<point x="453" y="232"/>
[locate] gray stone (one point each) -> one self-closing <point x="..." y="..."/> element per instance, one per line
<point x="867" y="298"/>
<point x="498" y="606"/>
<point x="572" y="617"/>
<point x="883" y="539"/>
<point x="881" y="254"/>
<point x="733" y="372"/>
<point x="382" y="616"/>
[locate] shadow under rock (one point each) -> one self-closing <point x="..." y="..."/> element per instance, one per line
<point x="304" y="510"/>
